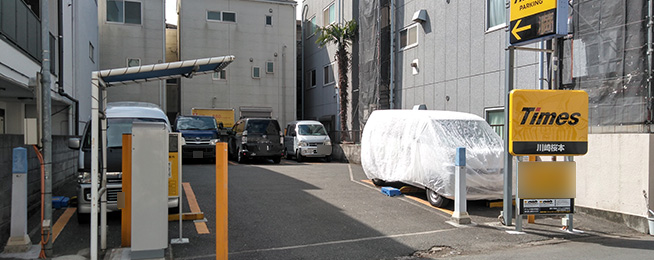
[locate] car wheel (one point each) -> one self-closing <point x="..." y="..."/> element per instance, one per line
<point x="298" y="156"/>
<point x="435" y="199"/>
<point x="378" y="182"/>
<point x="328" y="158"/>
<point x="277" y="159"/>
<point x="83" y="218"/>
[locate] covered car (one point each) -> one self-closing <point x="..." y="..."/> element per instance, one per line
<point x="418" y="147"/>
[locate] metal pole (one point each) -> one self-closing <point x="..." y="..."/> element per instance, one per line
<point x="518" y="216"/>
<point x="508" y="159"/>
<point x="47" y="124"/>
<point x="650" y="42"/>
<point x="94" y="164"/>
<point x="569" y="216"/>
<point x="103" y="183"/>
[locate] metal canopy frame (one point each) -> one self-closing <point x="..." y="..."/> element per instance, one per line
<point x="100" y="81"/>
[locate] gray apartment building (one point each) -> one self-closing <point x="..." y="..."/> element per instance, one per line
<point x="132" y="33"/>
<point x="261" y="34"/>
<point x="450" y="55"/>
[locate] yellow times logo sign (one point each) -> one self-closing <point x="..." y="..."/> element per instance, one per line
<point x="523" y="8"/>
<point x="548" y="122"/>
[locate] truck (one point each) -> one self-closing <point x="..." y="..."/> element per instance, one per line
<point x="224" y="118"/>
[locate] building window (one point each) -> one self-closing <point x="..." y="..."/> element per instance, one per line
<point x="409" y="37"/>
<point x="495" y="14"/>
<point x="495" y="118"/>
<point x="329" y="15"/>
<point x="270" y="67"/>
<point x="91" y="52"/>
<point x="132" y="62"/>
<point x="311" y="78"/>
<point x="256" y="72"/>
<point x="221" y="16"/>
<point x="311" y="27"/>
<point x="213" y="16"/>
<point x="219" y="75"/>
<point x="268" y="20"/>
<point x="229" y="17"/>
<point x="328" y="74"/>
<point x="119" y="11"/>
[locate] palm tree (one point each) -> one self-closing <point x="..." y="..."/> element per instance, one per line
<point x="342" y="35"/>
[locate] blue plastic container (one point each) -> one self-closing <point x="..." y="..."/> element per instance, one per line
<point x="390" y="191"/>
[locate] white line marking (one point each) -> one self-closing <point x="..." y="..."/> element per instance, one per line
<point x="341" y="242"/>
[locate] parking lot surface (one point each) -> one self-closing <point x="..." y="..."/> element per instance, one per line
<point x="319" y="210"/>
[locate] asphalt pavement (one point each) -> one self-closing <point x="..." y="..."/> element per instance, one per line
<point x="318" y="210"/>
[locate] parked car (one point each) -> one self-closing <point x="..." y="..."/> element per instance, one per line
<point x="200" y="134"/>
<point x="307" y="139"/>
<point x="120" y="117"/>
<point x="256" y="138"/>
<point x="418" y="147"/>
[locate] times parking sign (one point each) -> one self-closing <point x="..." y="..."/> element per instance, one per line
<point x="548" y="122"/>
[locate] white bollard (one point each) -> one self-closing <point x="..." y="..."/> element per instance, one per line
<point x="460" y="214"/>
<point x="19" y="241"/>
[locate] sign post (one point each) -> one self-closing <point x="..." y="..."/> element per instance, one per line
<point x="547" y="122"/>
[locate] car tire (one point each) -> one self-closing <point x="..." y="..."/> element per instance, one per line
<point x="298" y="156"/>
<point x="277" y="159"/>
<point x="436" y="199"/>
<point x="378" y="182"/>
<point x="328" y="158"/>
<point x="83" y="218"/>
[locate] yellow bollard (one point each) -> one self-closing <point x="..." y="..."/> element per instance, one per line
<point x="126" y="211"/>
<point x="222" y="238"/>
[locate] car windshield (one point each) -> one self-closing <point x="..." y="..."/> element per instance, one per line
<point x="269" y="127"/>
<point x="116" y="127"/>
<point x="196" y="123"/>
<point x="311" y="130"/>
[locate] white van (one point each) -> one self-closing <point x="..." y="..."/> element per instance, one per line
<point x="307" y="139"/>
<point x="120" y="116"/>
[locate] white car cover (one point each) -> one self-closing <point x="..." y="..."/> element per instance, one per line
<point x="418" y="147"/>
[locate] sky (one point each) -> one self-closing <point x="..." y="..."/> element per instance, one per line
<point x="171" y="18"/>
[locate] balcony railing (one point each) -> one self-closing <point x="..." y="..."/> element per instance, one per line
<point x="20" y="26"/>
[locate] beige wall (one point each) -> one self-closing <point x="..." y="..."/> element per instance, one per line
<point x="614" y="173"/>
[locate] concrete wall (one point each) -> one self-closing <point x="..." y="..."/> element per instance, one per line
<point x="253" y="44"/>
<point x="84" y="61"/>
<point x="614" y="173"/>
<point x="461" y="63"/>
<point x="64" y="168"/>
<point x="144" y="41"/>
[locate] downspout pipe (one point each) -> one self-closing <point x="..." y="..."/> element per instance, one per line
<point x="650" y="61"/>
<point x="302" y="23"/>
<point x="60" y="82"/>
<point x="392" y="65"/>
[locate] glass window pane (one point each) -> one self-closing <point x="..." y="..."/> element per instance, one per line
<point x="496" y="13"/>
<point x="325" y="17"/>
<point x="270" y="66"/>
<point x="413" y="35"/>
<point x="115" y="11"/>
<point x="313" y="78"/>
<point x="268" y="20"/>
<point x="229" y="17"/>
<point x="332" y="14"/>
<point x="215" y="16"/>
<point x="403" y="38"/>
<point x="223" y="74"/>
<point x="133" y="12"/>
<point x="256" y="73"/>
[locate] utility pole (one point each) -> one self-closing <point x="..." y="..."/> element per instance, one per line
<point x="46" y="125"/>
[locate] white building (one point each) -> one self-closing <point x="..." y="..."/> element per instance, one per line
<point x="261" y="34"/>
<point x="321" y="98"/>
<point x="73" y="56"/>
